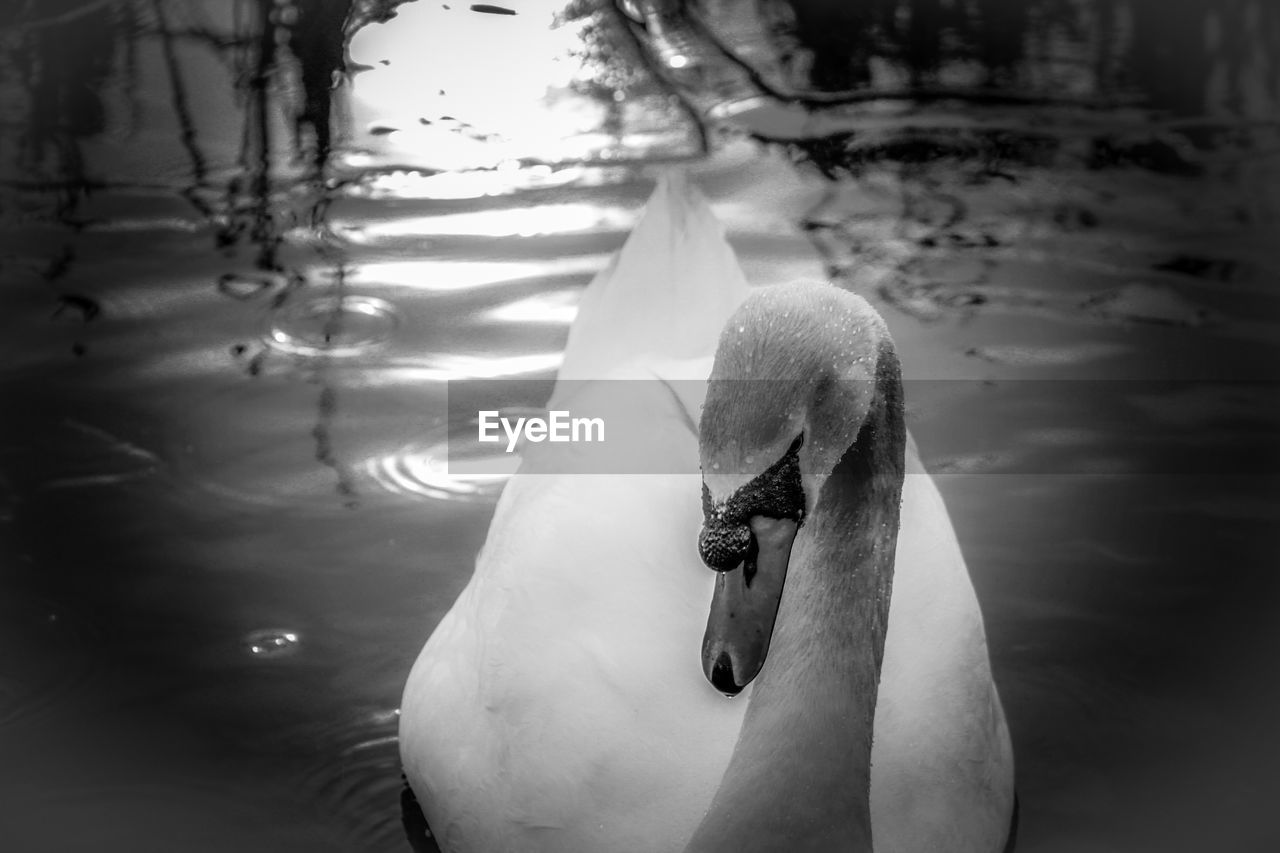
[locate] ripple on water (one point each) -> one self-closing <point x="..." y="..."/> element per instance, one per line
<point x="333" y="325"/>
<point x="245" y="286"/>
<point x="271" y="642"/>
<point x="358" y="777"/>
<point x="450" y="464"/>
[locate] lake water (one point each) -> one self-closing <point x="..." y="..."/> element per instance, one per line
<point x="225" y="528"/>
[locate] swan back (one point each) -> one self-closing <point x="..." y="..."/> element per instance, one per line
<point x="560" y="705"/>
<point x="664" y="297"/>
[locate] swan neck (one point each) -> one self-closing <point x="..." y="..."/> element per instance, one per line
<point x="799" y="778"/>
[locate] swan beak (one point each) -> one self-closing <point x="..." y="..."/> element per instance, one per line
<point x="744" y="606"/>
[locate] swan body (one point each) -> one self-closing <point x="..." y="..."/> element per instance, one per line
<point x="561" y="705"/>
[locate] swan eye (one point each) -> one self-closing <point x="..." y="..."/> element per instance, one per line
<point x="778" y="492"/>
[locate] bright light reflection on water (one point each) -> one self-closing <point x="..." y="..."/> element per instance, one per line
<point x="472" y="183"/>
<point x="576" y="218"/>
<point x="468" y="275"/>
<point x="557" y="307"/>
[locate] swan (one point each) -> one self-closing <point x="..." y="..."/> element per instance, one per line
<point x="826" y="687"/>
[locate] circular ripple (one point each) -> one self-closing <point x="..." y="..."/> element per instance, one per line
<point x="455" y="466"/>
<point x="271" y="642"/>
<point x="333" y="325"/>
<point x="357" y="777"/>
<point x="243" y="287"/>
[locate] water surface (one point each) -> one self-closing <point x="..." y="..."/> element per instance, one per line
<point x="232" y="304"/>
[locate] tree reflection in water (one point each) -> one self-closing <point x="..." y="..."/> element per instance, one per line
<point x="1203" y="72"/>
<point x="70" y="58"/>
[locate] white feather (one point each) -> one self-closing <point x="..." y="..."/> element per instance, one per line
<point x="561" y="706"/>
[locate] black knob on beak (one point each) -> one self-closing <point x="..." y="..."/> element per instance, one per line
<point x="723" y="546"/>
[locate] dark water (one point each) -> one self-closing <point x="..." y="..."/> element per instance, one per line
<point x="232" y="298"/>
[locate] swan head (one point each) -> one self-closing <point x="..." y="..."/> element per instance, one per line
<point x="793" y="382"/>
